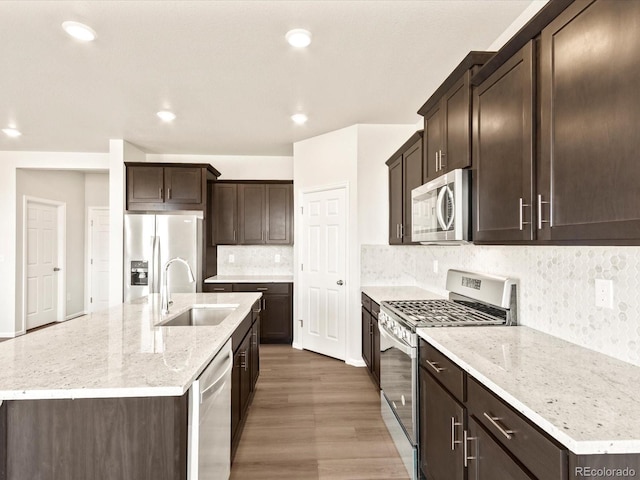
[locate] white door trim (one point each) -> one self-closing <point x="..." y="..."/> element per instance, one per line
<point x="89" y="256"/>
<point x="299" y="329"/>
<point x="61" y="219"/>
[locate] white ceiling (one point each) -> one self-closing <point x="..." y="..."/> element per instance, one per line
<point x="225" y="69"/>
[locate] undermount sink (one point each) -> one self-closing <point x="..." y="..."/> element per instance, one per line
<point x="208" y="315"/>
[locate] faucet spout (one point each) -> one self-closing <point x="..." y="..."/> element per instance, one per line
<point x="164" y="292"/>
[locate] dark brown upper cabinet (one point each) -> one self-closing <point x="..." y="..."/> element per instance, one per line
<point x="503" y="151"/>
<point x="253" y="213"/>
<point x="405" y="174"/>
<point x="447" y="120"/>
<point x="166" y="187"/>
<point x="578" y="143"/>
<point x="589" y="173"/>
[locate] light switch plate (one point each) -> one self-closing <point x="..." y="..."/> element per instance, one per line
<point x="435" y="266"/>
<point x="277" y="258"/>
<point x="604" y="293"/>
<point x="232" y="258"/>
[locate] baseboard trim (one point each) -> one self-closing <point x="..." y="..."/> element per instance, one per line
<point x="73" y="315"/>
<point x="297" y="346"/>
<point x="355" y="362"/>
<point x="11" y="334"/>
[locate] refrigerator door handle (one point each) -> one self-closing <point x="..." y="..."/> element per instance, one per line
<point x="156" y="265"/>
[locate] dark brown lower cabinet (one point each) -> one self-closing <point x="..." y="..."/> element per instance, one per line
<point x="441" y="431"/>
<point x="367" y="344"/>
<point x="101" y="439"/>
<point x="371" y="338"/>
<point x="487" y="460"/>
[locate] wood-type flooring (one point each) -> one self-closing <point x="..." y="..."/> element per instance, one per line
<point x="314" y="417"/>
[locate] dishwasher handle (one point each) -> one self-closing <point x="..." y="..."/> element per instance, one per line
<point x="210" y="389"/>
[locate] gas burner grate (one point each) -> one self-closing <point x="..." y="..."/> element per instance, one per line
<point x="447" y="312"/>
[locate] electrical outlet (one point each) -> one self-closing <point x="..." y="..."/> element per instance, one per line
<point x="604" y="293"/>
<point x="232" y="258"/>
<point x="277" y="258"/>
<point x="435" y="266"/>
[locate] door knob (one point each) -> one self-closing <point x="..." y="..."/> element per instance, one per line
<point x="56" y="269"/>
<point x="340" y="282"/>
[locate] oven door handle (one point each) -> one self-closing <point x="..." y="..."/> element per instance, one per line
<point x="406" y="349"/>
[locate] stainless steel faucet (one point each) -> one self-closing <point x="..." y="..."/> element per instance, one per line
<point x="164" y="292"/>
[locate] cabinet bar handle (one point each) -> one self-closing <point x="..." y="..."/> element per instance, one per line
<point x="218" y="289"/>
<point x="494" y="421"/>
<point x="521" y="208"/>
<point x="160" y="193"/>
<point x="243" y="361"/>
<point x="264" y="305"/>
<point x="435" y="366"/>
<point x="465" y="454"/>
<point x="169" y="193"/>
<point x="262" y="289"/>
<point x="437" y="168"/>
<point x="454" y="424"/>
<point x="442" y="165"/>
<point x="540" y="220"/>
<point x="234" y="235"/>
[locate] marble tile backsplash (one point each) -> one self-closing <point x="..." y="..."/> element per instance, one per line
<point x="557" y="286"/>
<point x="255" y="260"/>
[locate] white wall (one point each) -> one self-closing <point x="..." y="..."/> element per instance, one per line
<point x="96" y="189"/>
<point x="353" y="156"/>
<point x="237" y="167"/>
<point x="62" y="186"/>
<point x="9" y="162"/>
<point x="517" y="24"/>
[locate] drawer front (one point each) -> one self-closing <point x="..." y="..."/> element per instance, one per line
<point x="265" y="288"/>
<point x="541" y="455"/>
<point x="217" y="287"/>
<point x="366" y="302"/>
<point x="443" y="370"/>
<point x="375" y="309"/>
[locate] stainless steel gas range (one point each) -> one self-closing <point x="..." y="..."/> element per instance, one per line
<point x="474" y="300"/>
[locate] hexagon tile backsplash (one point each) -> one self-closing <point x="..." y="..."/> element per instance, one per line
<point x="556" y="291"/>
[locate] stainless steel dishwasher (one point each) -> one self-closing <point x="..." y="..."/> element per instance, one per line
<point x="210" y="420"/>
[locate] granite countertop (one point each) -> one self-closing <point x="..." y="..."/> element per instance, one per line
<point x="119" y="352"/>
<point x="250" y="279"/>
<point x="587" y="401"/>
<point x="381" y="293"/>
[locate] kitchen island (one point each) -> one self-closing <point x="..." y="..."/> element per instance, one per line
<point x="105" y="395"/>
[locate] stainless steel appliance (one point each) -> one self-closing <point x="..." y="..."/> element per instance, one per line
<point x="150" y="241"/>
<point x="209" y="445"/>
<point x="474" y="299"/>
<point x="440" y="209"/>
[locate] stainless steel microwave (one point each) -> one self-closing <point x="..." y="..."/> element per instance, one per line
<point x="440" y="209"/>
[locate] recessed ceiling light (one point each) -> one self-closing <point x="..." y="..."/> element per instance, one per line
<point x="79" y="31"/>
<point x="299" y="118"/>
<point x="166" y="115"/>
<point x="298" y="38"/>
<point x="11" y="132"/>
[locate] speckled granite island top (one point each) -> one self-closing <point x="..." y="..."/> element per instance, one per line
<point x="587" y="401"/>
<point x="250" y="279"/>
<point x="120" y="352"/>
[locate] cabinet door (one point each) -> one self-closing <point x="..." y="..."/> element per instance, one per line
<point x="277" y="319"/>
<point x="245" y="374"/>
<point x="396" y="201"/>
<point x="412" y="170"/>
<point x="251" y="214"/>
<point x="236" y="394"/>
<point x="487" y="459"/>
<point x="145" y="185"/>
<point x="433" y="126"/>
<point x="225" y="213"/>
<point x="366" y="338"/>
<point x="589" y="117"/>
<point x="503" y="152"/>
<point x="456" y="149"/>
<point x="183" y="185"/>
<point x="255" y="353"/>
<point x="441" y="431"/>
<point x="375" y="354"/>
<point x="279" y="211"/>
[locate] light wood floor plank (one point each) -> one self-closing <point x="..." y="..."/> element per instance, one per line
<point x="314" y="417"/>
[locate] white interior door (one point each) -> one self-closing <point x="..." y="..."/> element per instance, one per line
<point x="322" y="278"/>
<point x="98" y="259"/>
<point x="41" y="264"/>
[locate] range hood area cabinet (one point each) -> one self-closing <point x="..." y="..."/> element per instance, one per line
<point x="153" y="187"/>
<point x="566" y="172"/>
<point x="253" y="213"/>
<point x="405" y="174"/>
<point x="447" y="120"/>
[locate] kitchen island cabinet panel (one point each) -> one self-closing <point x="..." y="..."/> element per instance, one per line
<point x="102" y="439"/>
<point x="589" y="142"/>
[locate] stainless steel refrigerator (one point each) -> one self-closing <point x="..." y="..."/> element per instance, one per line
<point x="151" y="240"/>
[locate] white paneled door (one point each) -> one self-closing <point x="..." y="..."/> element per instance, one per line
<point x="41" y="264"/>
<point x="98" y="259"/>
<point x="323" y="269"/>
